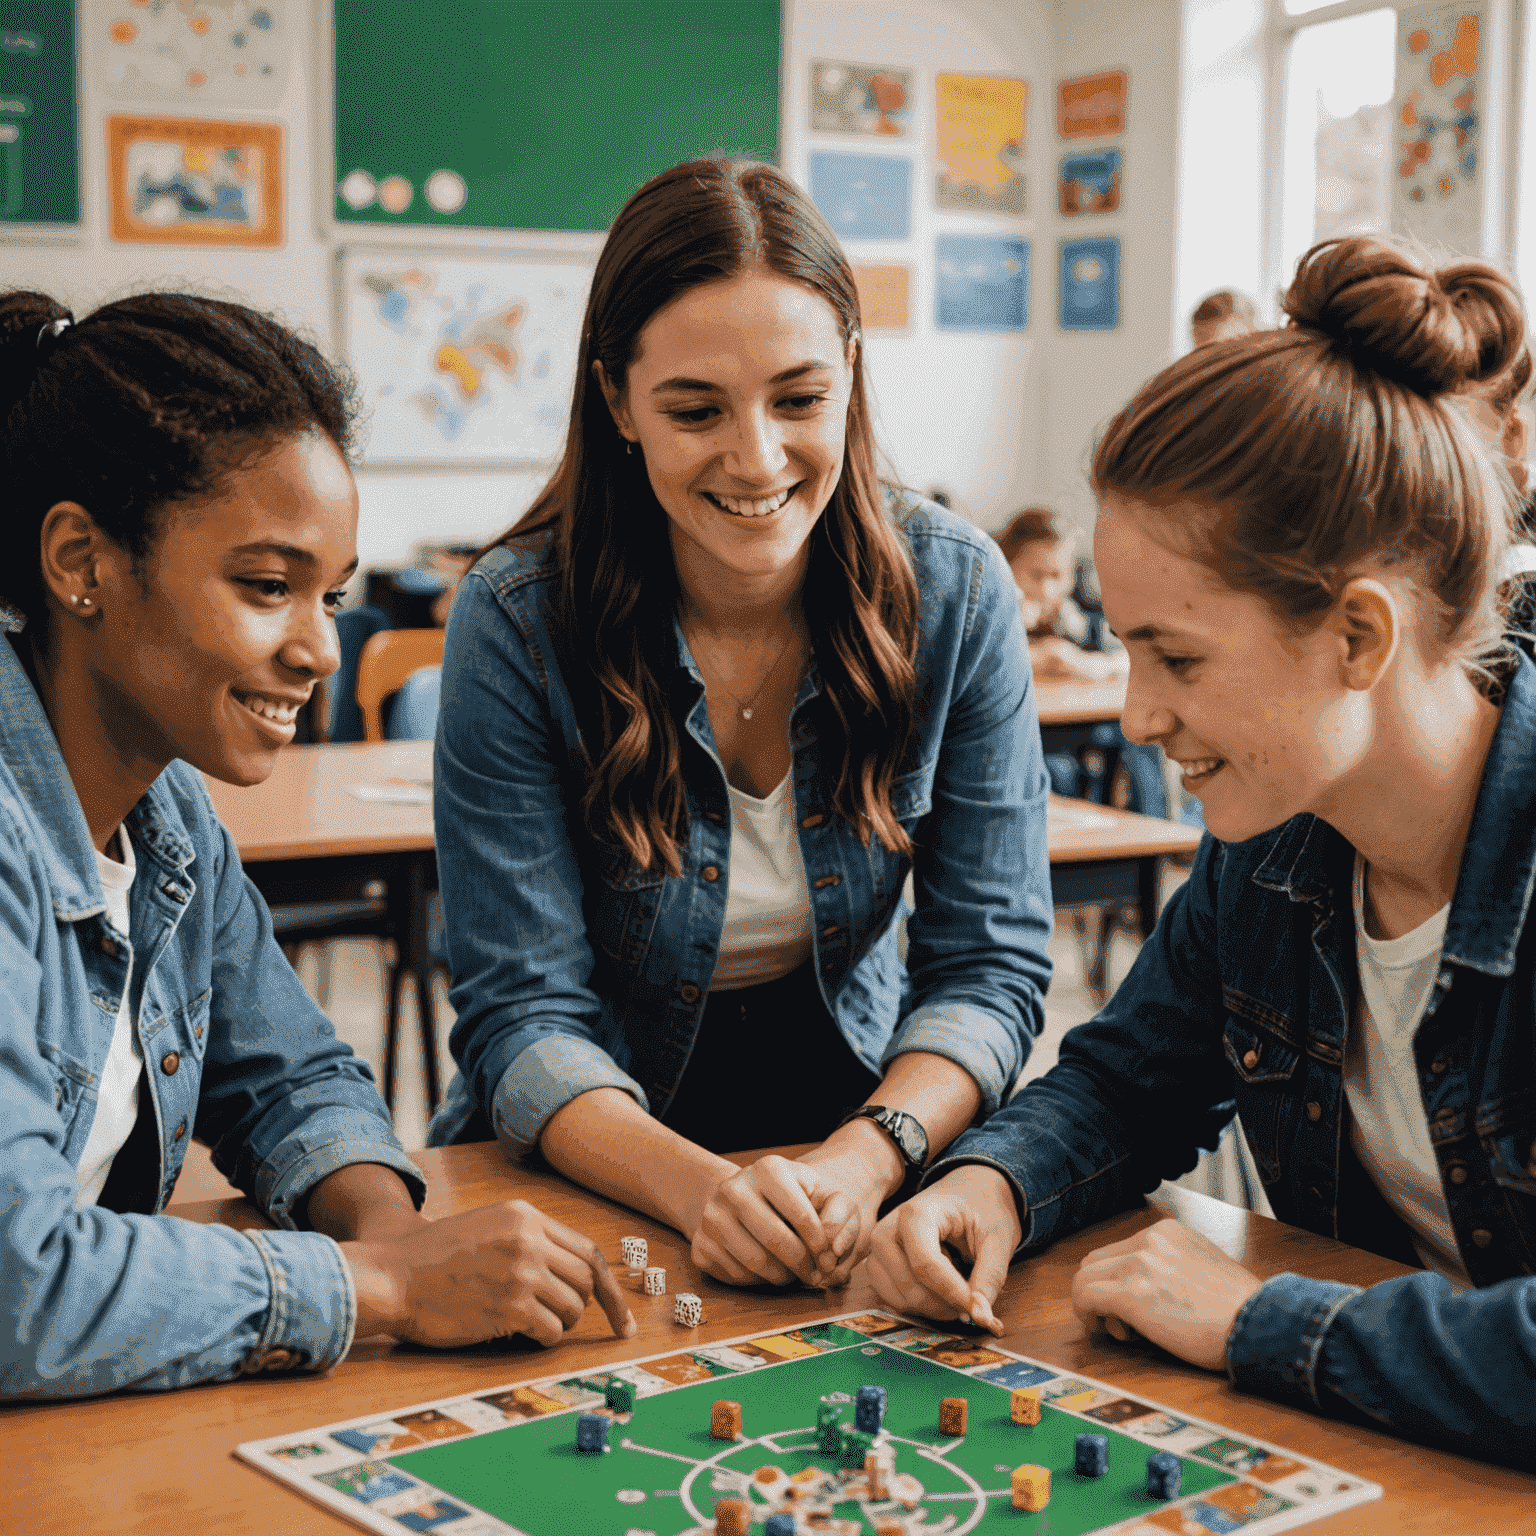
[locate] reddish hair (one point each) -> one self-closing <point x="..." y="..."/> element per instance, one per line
<point x="1290" y="460"/>
<point x="1034" y="525"/>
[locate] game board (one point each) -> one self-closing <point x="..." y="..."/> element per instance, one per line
<point x="505" y="1460"/>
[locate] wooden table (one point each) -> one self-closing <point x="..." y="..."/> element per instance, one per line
<point x="165" y="1462"/>
<point x="304" y="837"/>
<point x="1061" y="702"/>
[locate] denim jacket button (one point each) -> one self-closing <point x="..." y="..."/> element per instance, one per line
<point x="1250" y="1059"/>
<point x="1482" y="1237"/>
<point x="1314" y="1111"/>
<point x="108" y="944"/>
<point x="688" y="992"/>
<point x="1458" y="1173"/>
<point x="710" y="873"/>
<point x="169" y="1063"/>
<point x="181" y="1130"/>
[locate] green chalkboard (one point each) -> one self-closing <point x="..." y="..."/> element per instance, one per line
<point x="541" y="114"/>
<point x="39" y="158"/>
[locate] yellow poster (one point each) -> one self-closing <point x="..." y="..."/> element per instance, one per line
<point x="981" y="142"/>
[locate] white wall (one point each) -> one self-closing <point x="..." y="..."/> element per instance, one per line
<point x="1000" y="420"/>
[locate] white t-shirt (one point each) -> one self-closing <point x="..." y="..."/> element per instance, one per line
<point x="1390" y="1133"/>
<point x="768" y="902"/>
<point x="117" y="1101"/>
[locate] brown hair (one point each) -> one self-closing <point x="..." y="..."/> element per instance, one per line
<point x="617" y="593"/>
<point x="1312" y="451"/>
<point x="1034" y="525"/>
<point x="1226" y="304"/>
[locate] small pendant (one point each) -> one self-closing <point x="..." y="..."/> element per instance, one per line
<point x="746" y="714"/>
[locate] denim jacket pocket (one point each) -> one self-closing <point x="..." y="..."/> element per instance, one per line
<point x="912" y="795"/>
<point x="622" y="915"/>
<point x="1506" y="1126"/>
<point x="1264" y="1064"/>
<point x="74" y="1086"/>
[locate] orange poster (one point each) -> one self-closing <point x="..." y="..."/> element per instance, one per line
<point x="884" y="297"/>
<point x="1092" y="105"/>
<point x="981" y="142"/>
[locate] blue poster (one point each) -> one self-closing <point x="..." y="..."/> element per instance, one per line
<point x="1090" y="284"/>
<point x="983" y="283"/>
<point x="864" y="197"/>
<point x="1090" y="182"/>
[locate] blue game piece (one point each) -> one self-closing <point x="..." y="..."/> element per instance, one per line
<point x="1092" y="1458"/>
<point x="779" y="1525"/>
<point x="869" y="1409"/>
<point x="1163" y="1469"/>
<point x="591" y="1432"/>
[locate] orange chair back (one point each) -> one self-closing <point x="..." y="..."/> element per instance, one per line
<point x="387" y="659"/>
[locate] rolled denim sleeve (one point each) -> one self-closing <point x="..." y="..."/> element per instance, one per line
<point x="313" y="1313"/>
<point x="1454" y="1369"/>
<point x="527" y="1038"/>
<point x="976" y="955"/>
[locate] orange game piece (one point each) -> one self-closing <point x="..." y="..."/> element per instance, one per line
<point x="733" y="1517"/>
<point x="725" y="1419"/>
<point x="1024" y="1405"/>
<point x="952" y="1411"/>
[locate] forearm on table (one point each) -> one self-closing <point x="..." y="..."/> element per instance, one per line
<point x="361" y="1202"/>
<point x="605" y="1141"/>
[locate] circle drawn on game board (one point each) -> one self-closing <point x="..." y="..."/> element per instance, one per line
<point x="395" y="194"/>
<point x="446" y="191"/>
<point x="630" y="1496"/>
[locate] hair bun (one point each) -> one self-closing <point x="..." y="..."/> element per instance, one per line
<point x="22" y="317"/>
<point x="1435" y="332"/>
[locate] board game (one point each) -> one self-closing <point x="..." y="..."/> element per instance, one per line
<point x="801" y="1449"/>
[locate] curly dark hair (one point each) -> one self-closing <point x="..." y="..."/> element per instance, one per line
<point x="144" y="403"/>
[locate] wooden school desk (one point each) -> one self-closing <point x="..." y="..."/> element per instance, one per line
<point x="163" y="1461"/>
<point x="1061" y="703"/>
<point x="304" y="837"/>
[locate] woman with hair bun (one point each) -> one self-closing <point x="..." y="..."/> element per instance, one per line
<point x="704" y="709"/>
<point x="1300" y="541"/>
<point x="178" y="518"/>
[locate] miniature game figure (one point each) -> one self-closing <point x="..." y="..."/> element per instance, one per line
<point x="869" y="1409"/>
<point x="634" y="1251"/>
<point x="1091" y="1458"/>
<point x="952" y="1412"/>
<point x="687" y="1309"/>
<point x="725" y="1419"/>
<point x="655" y="1282"/>
<point x="591" y="1432"/>
<point x="1163" y="1472"/>
<point x="853" y="1445"/>
<point x="619" y="1394"/>
<point x="1024" y="1405"/>
<point x="1031" y="1487"/>
<point x="733" y="1517"/>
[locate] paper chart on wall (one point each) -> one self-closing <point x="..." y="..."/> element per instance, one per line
<point x="215" y="54"/>
<point x="860" y="98"/>
<point x="463" y="359"/>
<point x="1437" y="192"/>
<point x="981" y="128"/>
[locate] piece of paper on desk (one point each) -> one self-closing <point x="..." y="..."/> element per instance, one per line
<point x="1077" y="816"/>
<point x="394" y="792"/>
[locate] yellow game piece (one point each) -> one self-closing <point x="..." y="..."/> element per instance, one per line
<point x="1031" y="1487"/>
<point x="1024" y="1405"/>
<point x="807" y="1475"/>
<point x="768" y="1474"/>
<point x="725" y="1419"/>
<point x="952" y="1412"/>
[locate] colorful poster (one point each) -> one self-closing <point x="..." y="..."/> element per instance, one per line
<point x="981" y="128"/>
<point x="1092" y="105"/>
<point x="1090" y="182"/>
<point x="217" y="53"/>
<point x="884" y="297"/>
<point x="864" y="197"/>
<point x="463" y="358"/>
<point x="860" y="98"/>
<point x="187" y="181"/>
<point x="1090" y="284"/>
<point x="983" y="284"/>
<point x="1437" y="193"/>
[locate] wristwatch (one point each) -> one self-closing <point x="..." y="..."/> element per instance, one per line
<point x="904" y="1129"/>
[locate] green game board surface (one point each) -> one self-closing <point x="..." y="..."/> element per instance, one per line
<point x="532" y="1476"/>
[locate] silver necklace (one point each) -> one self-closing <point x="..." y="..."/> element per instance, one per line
<point x="746" y="705"/>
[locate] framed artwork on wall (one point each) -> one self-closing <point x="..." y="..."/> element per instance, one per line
<point x="981" y="135"/>
<point x="1090" y="181"/>
<point x="1090" y="284"/>
<point x="194" y="181"/>
<point x="860" y="98"/>
<point x="864" y="197"/>
<point x="1092" y="105"/>
<point x="885" y="297"/>
<point x="982" y="283"/>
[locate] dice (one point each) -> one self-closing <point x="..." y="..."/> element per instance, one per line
<point x="619" y="1394"/>
<point x="634" y="1251"/>
<point x="1024" y="1405"/>
<point x="869" y="1409"/>
<point x="952" y="1413"/>
<point x="725" y="1419"/>
<point x="733" y="1517"/>
<point x="687" y="1310"/>
<point x="655" y="1282"/>
<point x="1163" y="1471"/>
<point x="1091" y="1456"/>
<point x="591" y="1432"/>
<point x="1031" y="1487"/>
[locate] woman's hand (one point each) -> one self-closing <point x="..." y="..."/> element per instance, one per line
<point x="483" y="1274"/>
<point x="973" y="1212"/>
<point x="774" y="1220"/>
<point x="1171" y="1285"/>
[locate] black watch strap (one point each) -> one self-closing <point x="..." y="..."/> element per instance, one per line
<point x="905" y="1130"/>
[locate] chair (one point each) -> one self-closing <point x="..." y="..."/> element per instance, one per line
<point x="387" y="660"/>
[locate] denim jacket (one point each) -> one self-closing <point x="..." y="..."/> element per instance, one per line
<point x="570" y="975"/>
<point x="1241" y="1001"/>
<point x="234" y="1048"/>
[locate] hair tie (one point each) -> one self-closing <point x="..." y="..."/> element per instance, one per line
<point x="51" y="331"/>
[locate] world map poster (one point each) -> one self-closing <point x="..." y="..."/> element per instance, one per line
<point x="462" y="359"/>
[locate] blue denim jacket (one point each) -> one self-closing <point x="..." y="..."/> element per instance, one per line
<point x="1241" y="1001"/>
<point x="569" y="975"/>
<point x="93" y="1300"/>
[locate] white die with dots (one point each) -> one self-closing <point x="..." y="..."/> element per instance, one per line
<point x="634" y="1252"/>
<point x="687" y="1310"/>
<point x="655" y="1282"/>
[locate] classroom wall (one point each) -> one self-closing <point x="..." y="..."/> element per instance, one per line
<point x="999" y="420"/>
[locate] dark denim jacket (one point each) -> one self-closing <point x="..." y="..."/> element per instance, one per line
<point x="571" y="975"/>
<point x="91" y="1300"/>
<point x="1240" y="1001"/>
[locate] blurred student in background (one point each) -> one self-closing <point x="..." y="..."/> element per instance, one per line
<point x="1223" y="314"/>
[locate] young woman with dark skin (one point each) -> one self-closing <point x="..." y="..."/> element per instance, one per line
<point x="182" y="518"/>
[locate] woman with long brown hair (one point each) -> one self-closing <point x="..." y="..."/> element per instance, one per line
<point x="1301" y="540"/>
<point x="704" y="709"/>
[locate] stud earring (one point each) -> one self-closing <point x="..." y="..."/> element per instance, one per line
<point x="74" y="597"/>
<point x="85" y="602"/>
<point x="629" y="446"/>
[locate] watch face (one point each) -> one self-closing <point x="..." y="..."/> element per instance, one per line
<point x="911" y="1139"/>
